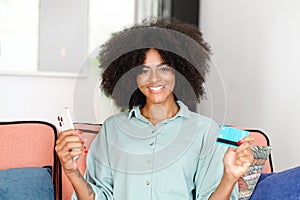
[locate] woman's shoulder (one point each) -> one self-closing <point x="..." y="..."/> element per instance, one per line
<point x="203" y="119"/>
<point x="200" y="116"/>
<point x="116" y="118"/>
<point x="192" y="117"/>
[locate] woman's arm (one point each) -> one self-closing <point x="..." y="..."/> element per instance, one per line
<point x="236" y="163"/>
<point x="67" y="141"/>
<point x="82" y="188"/>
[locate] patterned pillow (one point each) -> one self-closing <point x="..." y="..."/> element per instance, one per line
<point x="249" y="180"/>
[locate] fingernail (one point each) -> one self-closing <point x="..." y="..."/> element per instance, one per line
<point x="239" y="142"/>
<point x="78" y="131"/>
<point x="82" y="142"/>
<point x="85" y="151"/>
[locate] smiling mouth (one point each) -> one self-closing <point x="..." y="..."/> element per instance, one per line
<point x="156" y="89"/>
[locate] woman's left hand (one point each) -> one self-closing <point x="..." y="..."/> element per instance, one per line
<point x="237" y="161"/>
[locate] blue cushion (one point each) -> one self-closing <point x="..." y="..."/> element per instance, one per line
<point x="278" y="186"/>
<point x="26" y="183"/>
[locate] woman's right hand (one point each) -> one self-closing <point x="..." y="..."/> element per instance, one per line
<point x="68" y="146"/>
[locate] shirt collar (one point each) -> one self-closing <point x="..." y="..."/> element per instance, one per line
<point x="134" y="112"/>
<point x="183" y="111"/>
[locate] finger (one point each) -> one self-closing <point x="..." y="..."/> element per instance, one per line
<point x="69" y="142"/>
<point x="244" y="161"/>
<point x="245" y="157"/>
<point x="244" y="148"/>
<point x="250" y="139"/>
<point x="69" y="151"/>
<point x="243" y="167"/>
<point x="64" y="134"/>
<point x="244" y="152"/>
<point x="67" y="157"/>
<point x="231" y="149"/>
<point x="68" y="137"/>
<point x="71" y="145"/>
<point x="71" y="154"/>
<point x="245" y="145"/>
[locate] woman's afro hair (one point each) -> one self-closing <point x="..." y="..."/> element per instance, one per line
<point x="181" y="45"/>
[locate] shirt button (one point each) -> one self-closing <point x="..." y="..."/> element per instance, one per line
<point x="147" y="182"/>
<point x="149" y="161"/>
<point x="151" y="143"/>
<point x="153" y="131"/>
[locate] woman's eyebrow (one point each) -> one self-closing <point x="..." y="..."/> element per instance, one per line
<point x="143" y="65"/>
<point x="158" y="65"/>
<point x="161" y="64"/>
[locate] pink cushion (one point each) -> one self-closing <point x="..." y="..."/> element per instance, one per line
<point x="26" y="145"/>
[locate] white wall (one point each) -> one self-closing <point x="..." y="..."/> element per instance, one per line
<point x="39" y="96"/>
<point x="35" y="95"/>
<point x="256" y="55"/>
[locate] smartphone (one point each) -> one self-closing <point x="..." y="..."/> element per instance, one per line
<point x="230" y="136"/>
<point x="65" y="122"/>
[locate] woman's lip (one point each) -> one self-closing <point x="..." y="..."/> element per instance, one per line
<point x="156" y="89"/>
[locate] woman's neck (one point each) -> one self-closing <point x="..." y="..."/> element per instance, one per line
<point x="156" y="113"/>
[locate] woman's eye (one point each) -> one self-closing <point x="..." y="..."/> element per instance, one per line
<point x="164" y="69"/>
<point x="144" y="71"/>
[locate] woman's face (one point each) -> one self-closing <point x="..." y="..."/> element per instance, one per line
<point x="156" y="79"/>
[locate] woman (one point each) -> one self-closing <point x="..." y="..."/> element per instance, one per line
<point x="158" y="149"/>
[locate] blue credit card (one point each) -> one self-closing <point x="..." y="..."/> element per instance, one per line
<point x="229" y="136"/>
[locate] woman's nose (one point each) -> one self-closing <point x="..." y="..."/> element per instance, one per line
<point x="155" y="76"/>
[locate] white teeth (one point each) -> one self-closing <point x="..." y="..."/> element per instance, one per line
<point x="156" y="88"/>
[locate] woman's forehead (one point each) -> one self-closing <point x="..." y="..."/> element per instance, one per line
<point x="152" y="56"/>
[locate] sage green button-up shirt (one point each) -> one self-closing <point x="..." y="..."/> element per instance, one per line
<point x="177" y="159"/>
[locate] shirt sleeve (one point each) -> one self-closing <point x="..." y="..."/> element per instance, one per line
<point x="210" y="166"/>
<point x="98" y="172"/>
